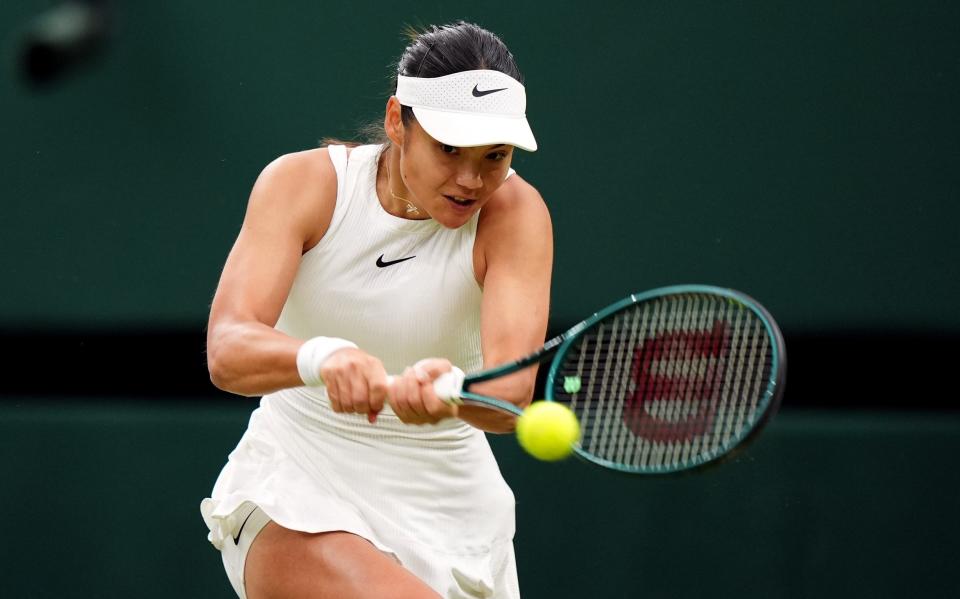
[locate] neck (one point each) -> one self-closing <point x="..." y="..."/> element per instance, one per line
<point x="392" y="193"/>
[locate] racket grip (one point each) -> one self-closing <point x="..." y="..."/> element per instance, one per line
<point x="447" y="386"/>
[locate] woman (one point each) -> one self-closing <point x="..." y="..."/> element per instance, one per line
<point x="353" y="264"/>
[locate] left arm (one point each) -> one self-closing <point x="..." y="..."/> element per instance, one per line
<point x="513" y="260"/>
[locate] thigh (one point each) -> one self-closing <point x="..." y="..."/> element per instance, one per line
<point x="287" y="564"/>
<point x="234" y="549"/>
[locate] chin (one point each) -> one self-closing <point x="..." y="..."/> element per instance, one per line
<point x="452" y="221"/>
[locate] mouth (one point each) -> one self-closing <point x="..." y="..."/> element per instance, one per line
<point x="461" y="202"/>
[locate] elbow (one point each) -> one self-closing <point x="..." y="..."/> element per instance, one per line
<point x="217" y="378"/>
<point x="218" y="372"/>
<point x="225" y="379"/>
<point x="223" y="374"/>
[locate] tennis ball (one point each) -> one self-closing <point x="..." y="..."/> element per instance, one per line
<point x="548" y="430"/>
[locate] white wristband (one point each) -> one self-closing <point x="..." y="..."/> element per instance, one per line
<point x="313" y="353"/>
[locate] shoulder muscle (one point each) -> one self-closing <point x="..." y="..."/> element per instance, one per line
<point x="515" y="222"/>
<point x="294" y="195"/>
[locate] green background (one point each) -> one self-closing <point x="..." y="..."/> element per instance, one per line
<point x="807" y="153"/>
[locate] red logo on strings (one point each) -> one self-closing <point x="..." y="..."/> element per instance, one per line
<point x="675" y="367"/>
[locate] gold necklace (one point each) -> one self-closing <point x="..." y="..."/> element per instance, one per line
<point x="410" y="209"/>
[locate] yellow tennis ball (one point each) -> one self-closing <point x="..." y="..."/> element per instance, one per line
<point x="548" y="430"/>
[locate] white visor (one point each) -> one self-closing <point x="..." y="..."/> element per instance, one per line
<point x="470" y="108"/>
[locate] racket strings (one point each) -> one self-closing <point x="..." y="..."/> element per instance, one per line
<point x="666" y="383"/>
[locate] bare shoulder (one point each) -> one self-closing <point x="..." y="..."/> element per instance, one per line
<point x="513" y="215"/>
<point x="299" y="174"/>
<point x="299" y="189"/>
<point x="516" y="206"/>
<point x="515" y="222"/>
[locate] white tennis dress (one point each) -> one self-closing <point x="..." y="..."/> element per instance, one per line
<point x="432" y="496"/>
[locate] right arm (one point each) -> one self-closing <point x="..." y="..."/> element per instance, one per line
<point x="289" y="210"/>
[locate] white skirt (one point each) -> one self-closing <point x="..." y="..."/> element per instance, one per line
<point x="431" y="496"/>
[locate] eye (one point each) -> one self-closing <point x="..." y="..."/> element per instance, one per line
<point x="448" y="149"/>
<point x="497" y="156"/>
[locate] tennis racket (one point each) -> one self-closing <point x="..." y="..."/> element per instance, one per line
<point x="663" y="381"/>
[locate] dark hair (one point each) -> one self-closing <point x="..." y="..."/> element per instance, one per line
<point x="448" y="49"/>
<point x="443" y="50"/>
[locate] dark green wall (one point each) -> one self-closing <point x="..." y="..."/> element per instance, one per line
<point x="806" y="152"/>
<point x="101" y="501"/>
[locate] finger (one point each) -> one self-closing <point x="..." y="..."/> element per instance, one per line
<point x="379" y="395"/>
<point x="424" y="397"/>
<point x="378" y="390"/>
<point x="333" y="393"/>
<point x="406" y="391"/>
<point x="433" y="367"/>
<point x="349" y="381"/>
<point x="333" y="380"/>
<point x="396" y="396"/>
<point x="414" y="404"/>
<point x="360" y="395"/>
<point x="436" y="408"/>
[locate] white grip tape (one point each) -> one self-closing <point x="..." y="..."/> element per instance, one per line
<point x="447" y="386"/>
<point x="313" y="353"/>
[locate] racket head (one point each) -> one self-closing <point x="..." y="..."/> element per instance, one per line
<point x="670" y="380"/>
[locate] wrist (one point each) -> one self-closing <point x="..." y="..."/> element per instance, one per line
<point x="313" y="353"/>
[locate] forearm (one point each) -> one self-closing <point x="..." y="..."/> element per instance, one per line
<point x="487" y="420"/>
<point x="251" y="358"/>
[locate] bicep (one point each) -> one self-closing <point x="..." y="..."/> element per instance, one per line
<point x="263" y="262"/>
<point x="256" y="278"/>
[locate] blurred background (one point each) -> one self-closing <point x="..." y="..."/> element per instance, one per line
<point x="806" y="153"/>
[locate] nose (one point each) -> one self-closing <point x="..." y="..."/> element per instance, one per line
<point x="469" y="177"/>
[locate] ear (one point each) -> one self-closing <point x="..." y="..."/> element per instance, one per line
<point x="393" y="123"/>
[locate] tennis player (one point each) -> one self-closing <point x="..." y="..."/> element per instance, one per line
<point x="402" y="258"/>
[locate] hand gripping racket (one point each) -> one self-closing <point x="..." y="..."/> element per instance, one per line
<point x="663" y="381"/>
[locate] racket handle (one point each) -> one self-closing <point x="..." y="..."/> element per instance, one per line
<point x="448" y="385"/>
